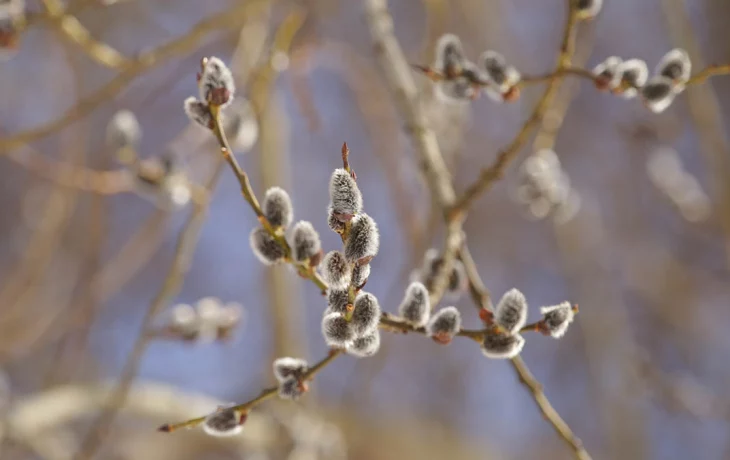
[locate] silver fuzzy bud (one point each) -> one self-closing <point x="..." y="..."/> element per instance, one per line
<point x="199" y="112"/>
<point x="367" y="313"/>
<point x="265" y="247"/>
<point x="286" y="367"/>
<point x="336" y="270"/>
<point x="500" y="74"/>
<point x="123" y="130"/>
<point x="360" y="275"/>
<point x="502" y="346"/>
<point x="631" y="75"/>
<point x="456" y="90"/>
<point x="365" y="346"/>
<point x="224" y="422"/>
<point x="333" y="222"/>
<point x="305" y="242"/>
<point x="337" y="331"/>
<point x="277" y="207"/>
<point x="449" y="59"/>
<point x="511" y="311"/>
<point x="658" y="93"/>
<point x="216" y="83"/>
<point x="607" y="70"/>
<point x="292" y="388"/>
<point x="363" y="240"/>
<point x="676" y="66"/>
<point x="444" y="325"/>
<point x="557" y="318"/>
<point x="416" y="305"/>
<point x="345" y="196"/>
<point x="337" y="300"/>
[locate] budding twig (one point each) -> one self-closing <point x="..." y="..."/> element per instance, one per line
<point x="265" y="394"/>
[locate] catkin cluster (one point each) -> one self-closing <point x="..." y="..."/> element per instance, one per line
<point x="208" y="321"/>
<point x="457" y="79"/>
<point x="290" y="373"/>
<point x="503" y="338"/>
<point x="302" y="241"/>
<point x="352" y="315"/>
<point x="545" y="188"/>
<point x="629" y="78"/>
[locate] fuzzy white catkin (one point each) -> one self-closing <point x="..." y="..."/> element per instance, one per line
<point x="658" y="93"/>
<point x="449" y="56"/>
<point x="333" y="222"/>
<point x="444" y="324"/>
<point x="365" y="346"/>
<point x="185" y="321"/>
<point x="305" y="242"/>
<point x="557" y="318"/>
<point x="345" y="195"/>
<point x="336" y="271"/>
<point x="608" y="69"/>
<point x="502" y="346"/>
<point x="367" y="314"/>
<point x="500" y="74"/>
<point x="265" y="247"/>
<point x="360" y="275"/>
<point x="291" y="388"/>
<point x="198" y="111"/>
<point x="511" y="311"/>
<point x="337" y="300"/>
<point x="588" y="9"/>
<point x="223" y="422"/>
<point x="633" y="73"/>
<point x="337" y="331"/>
<point x="416" y="306"/>
<point x="277" y="207"/>
<point x="287" y="367"/>
<point x="363" y="241"/>
<point x="215" y="78"/>
<point x="455" y="90"/>
<point x="676" y="66"/>
<point x="123" y="130"/>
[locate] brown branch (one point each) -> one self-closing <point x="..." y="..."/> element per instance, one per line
<point x="72" y="29"/>
<point x="184" y="249"/>
<point x="231" y="17"/>
<point x="491" y="174"/>
<point x="397" y="72"/>
<point x="68" y="175"/>
<point x="265" y="394"/>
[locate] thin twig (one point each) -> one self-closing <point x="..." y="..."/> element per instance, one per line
<point x="398" y="75"/>
<point x="72" y="29"/>
<point x="231" y="17"/>
<point x="496" y="171"/>
<point x="186" y="243"/>
<point x="265" y="394"/>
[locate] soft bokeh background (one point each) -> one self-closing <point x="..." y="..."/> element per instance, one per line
<point x="641" y="374"/>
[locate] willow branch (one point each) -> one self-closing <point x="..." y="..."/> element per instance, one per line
<point x="75" y="32"/>
<point x="185" y="247"/>
<point x="398" y="74"/>
<point x="231" y="17"/>
<point x="496" y="171"/>
<point x="265" y="394"/>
